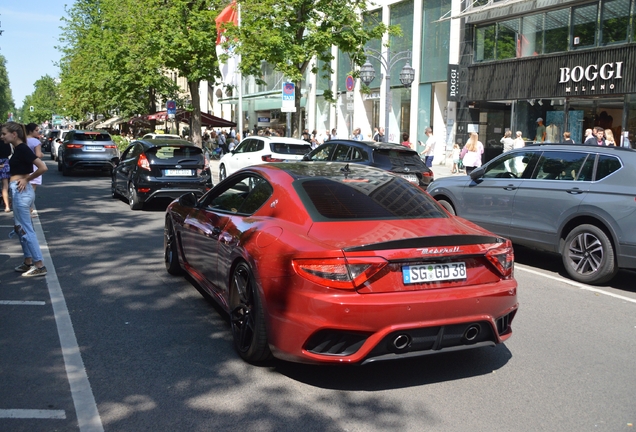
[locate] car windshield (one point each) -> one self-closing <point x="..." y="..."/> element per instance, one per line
<point x="290" y="149"/>
<point x="88" y="136"/>
<point x="366" y="199"/>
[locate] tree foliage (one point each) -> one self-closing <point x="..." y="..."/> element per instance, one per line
<point x="45" y="101"/>
<point x="288" y="34"/>
<point x="6" y="99"/>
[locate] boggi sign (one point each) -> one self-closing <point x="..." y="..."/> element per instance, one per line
<point x="590" y="73"/>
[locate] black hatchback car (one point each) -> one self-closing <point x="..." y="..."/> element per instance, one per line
<point x="159" y="168"/>
<point x="395" y="158"/>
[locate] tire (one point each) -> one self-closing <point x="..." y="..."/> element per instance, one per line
<point x="59" y="164"/>
<point x="448" y="206"/>
<point x="171" y="250"/>
<point x="588" y="255"/>
<point x="52" y="156"/>
<point x="222" y="173"/>
<point x="65" y="171"/>
<point x="247" y="318"/>
<point x="133" y="198"/>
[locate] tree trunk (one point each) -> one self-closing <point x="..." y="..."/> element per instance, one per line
<point x="195" y="127"/>
<point x="295" y="126"/>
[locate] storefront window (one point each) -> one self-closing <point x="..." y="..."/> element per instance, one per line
<point x="435" y="39"/>
<point x="584" y="20"/>
<point x="485" y="43"/>
<point x="402" y="15"/>
<point x="532" y="36"/>
<point x="507" y="34"/>
<point x="557" y="30"/>
<point x="614" y="21"/>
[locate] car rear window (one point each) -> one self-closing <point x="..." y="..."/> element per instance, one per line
<point x="169" y="152"/>
<point x="362" y="199"/>
<point x="390" y="159"/>
<point x="91" y="137"/>
<point x="290" y="149"/>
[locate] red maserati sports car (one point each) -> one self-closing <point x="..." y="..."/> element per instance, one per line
<point x="322" y="262"/>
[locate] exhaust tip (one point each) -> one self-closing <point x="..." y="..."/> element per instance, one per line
<point x="472" y="332"/>
<point x="402" y="341"/>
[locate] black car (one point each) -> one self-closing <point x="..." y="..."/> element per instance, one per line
<point x="159" y="168"/>
<point x="395" y="158"/>
<point x="48" y="137"/>
<point x="87" y="150"/>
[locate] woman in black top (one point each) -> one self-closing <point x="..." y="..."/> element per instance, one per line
<point x="22" y="194"/>
<point x="5" y="152"/>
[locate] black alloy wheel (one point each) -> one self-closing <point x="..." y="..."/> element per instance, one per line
<point x="170" y="250"/>
<point x="59" y="163"/>
<point x="247" y="317"/>
<point x="113" y="188"/>
<point x="133" y="198"/>
<point x="588" y="255"/>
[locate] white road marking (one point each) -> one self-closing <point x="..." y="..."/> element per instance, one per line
<point x="22" y="303"/>
<point x="574" y="283"/>
<point x="32" y="414"/>
<point x="83" y="398"/>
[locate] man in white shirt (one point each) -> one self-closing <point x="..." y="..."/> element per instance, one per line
<point x="429" y="150"/>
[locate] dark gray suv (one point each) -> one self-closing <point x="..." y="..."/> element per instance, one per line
<point x="575" y="200"/>
<point x="87" y="150"/>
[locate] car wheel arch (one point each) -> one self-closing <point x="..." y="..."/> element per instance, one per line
<point x="447" y="198"/>
<point x="579" y="220"/>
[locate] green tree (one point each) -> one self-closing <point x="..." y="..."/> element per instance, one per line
<point x="188" y="45"/>
<point x="6" y="99"/>
<point x="45" y="101"/>
<point x="288" y="34"/>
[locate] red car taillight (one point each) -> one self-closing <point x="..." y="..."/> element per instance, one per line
<point x="74" y="146"/>
<point x="111" y="146"/>
<point x="503" y="258"/>
<point x="143" y="163"/>
<point x="269" y="158"/>
<point x="339" y="273"/>
<point x="427" y="173"/>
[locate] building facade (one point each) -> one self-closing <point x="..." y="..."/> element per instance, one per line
<point x="569" y="63"/>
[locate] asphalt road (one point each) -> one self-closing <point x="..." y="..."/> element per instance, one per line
<point x="109" y="341"/>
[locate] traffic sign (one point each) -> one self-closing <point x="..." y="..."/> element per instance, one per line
<point x="350" y="83"/>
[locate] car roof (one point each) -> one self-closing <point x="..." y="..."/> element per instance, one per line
<point x="372" y="144"/>
<point x="287" y="140"/>
<point x="159" y="142"/>
<point x="568" y="146"/>
<point x="314" y="169"/>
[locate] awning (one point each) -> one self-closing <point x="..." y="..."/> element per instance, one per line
<point x="184" y="117"/>
<point x="109" y="122"/>
<point x="92" y="124"/>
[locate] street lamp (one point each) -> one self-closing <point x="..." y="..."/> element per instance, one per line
<point x="407" y="76"/>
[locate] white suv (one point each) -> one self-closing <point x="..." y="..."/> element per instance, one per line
<point x="256" y="150"/>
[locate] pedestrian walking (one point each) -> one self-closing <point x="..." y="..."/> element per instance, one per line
<point x="429" y="149"/>
<point x="5" y="153"/>
<point x="21" y="173"/>
<point x="471" y="153"/>
<point x="34" y="143"/>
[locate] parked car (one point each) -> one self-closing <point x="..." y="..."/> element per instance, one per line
<point x="50" y="135"/>
<point x="57" y="143"/>
<point x="575" y="200"/>
<point x="86" y="150"/>
<point x="159" y="168"/>
<point x="255" y="150"/>
<point x="395" y="158"/>
<point x="341" y="263"/>
<point x="160" y="136"/>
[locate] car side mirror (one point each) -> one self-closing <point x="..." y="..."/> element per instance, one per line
<point x="477" y="173"/>
<point x="188" y="200"/>
<point x="116" y="160"/>
<point x="306" y="157"/>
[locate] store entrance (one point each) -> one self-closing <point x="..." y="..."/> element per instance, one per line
<point x="586" y="113"/>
